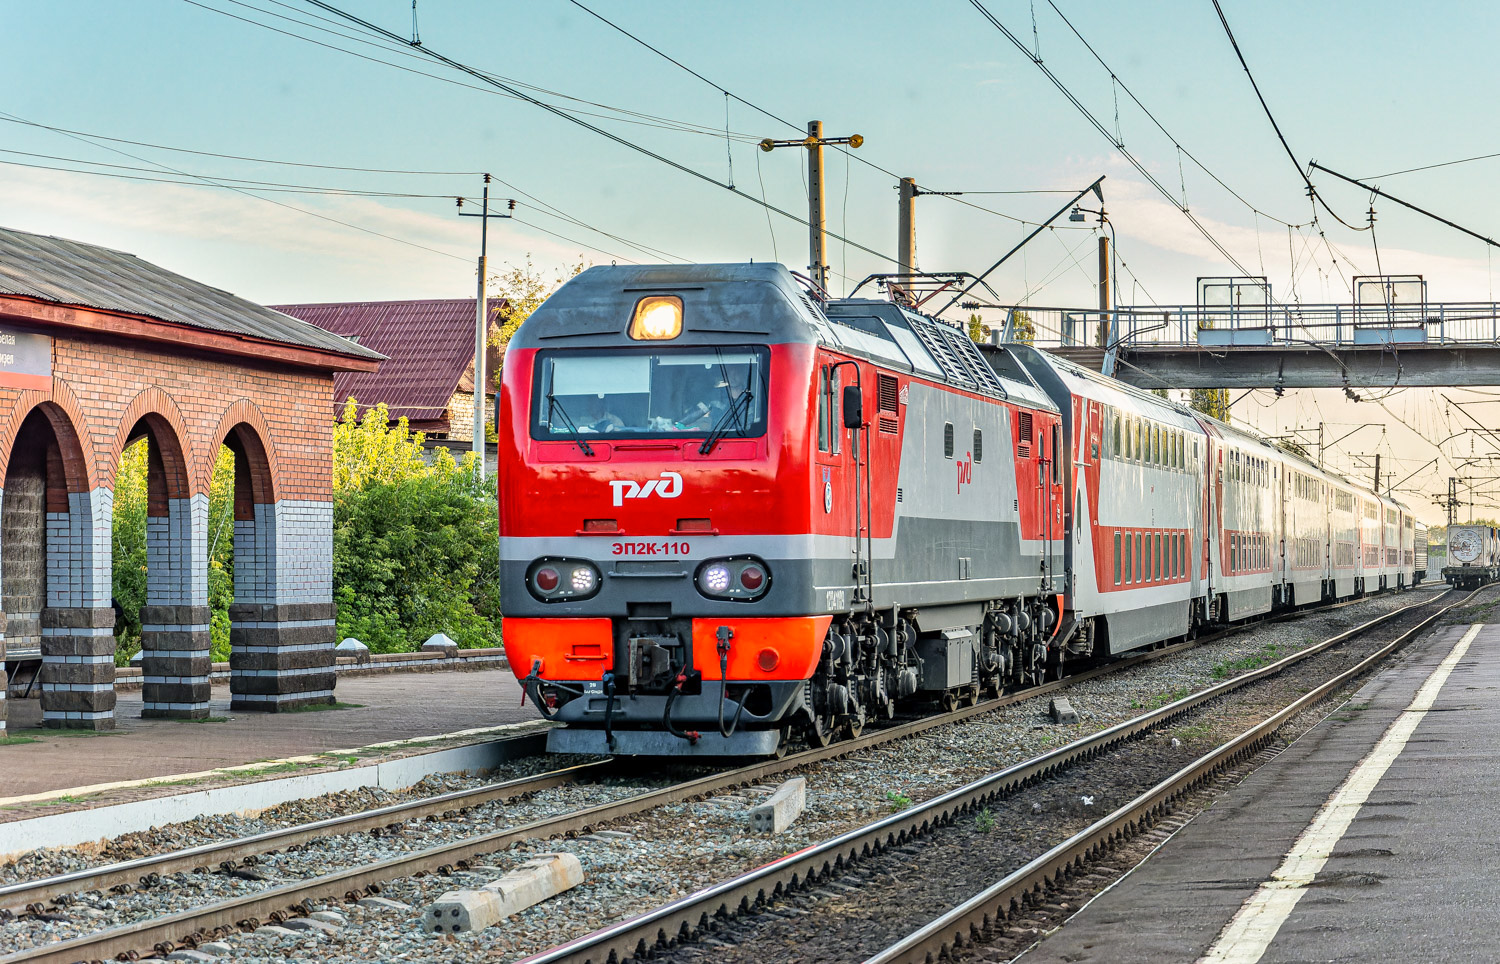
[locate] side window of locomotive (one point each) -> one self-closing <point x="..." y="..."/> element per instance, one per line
<point x="947" y="440"/>
<point x="1117" y="558"/>
<point x="978" y="445"/>
<point x="1057" y="454"/>
<point x="823" y="423"/>
<point x="1115" y="449"/>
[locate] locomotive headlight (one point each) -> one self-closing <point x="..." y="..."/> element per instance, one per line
<point x="741" y="578"/>
<point x="716" y="578"/>
<point x="583" y="579"/>
<point x="657" y="318"/>
<point x="562" y="580"/>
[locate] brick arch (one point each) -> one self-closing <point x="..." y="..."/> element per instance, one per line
<point x="65" y="415"/>
<point x="249" y="428"/>
<point x="175" y="447"/>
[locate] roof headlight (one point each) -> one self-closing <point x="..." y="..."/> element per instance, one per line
<point x="657" y="318"/>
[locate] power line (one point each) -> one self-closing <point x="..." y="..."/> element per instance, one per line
<point x="1099" y="126"/>
<point x="571" y="118"/>
<point x="1407" y="204"/>
<point x="1159" y="126"/>
<point x="236" y="157"/>
<point x="1312" y="192"/>
<point x="210" y="182"/>
<point x="621" y="115"/>
<point x="1430" y="167"/>
<point x="848" y="155"/>
<point x="189" y="178"/>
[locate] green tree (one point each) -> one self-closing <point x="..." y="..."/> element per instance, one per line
<point x="220" y="552"/>
<point x="413" y="541"/>
<point x="371" y="450"/>
<point x="1022" y="328"/>
<point x="1213" y="402"/>
<point x="524" y="288"/>
<point x="1293" y="446"/>
<point x="128" y="541"/>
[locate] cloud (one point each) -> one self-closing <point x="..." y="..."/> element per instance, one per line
<point x="269" y="250"/>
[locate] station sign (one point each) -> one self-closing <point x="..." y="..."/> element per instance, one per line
<point x="25" y="359"/>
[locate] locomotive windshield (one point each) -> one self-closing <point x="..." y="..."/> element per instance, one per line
<point x="640" y="393"/>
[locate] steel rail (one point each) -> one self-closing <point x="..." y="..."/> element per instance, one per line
<point x="341" y="884"/>
<point x="46" y="890"/>
<point x="997" y="903"/>
<point x="637" y="936"/>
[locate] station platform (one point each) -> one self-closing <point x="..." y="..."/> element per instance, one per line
<point x="371" y="710"/>
<point x="1374" y="837"/>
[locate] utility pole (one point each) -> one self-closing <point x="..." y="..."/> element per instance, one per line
<point x="817" y="214"/>
<point x="1106" y="299"/>
<point x="481" y="316"/>
<point x="1377" y="473"/>
<point x="906" y="229"/>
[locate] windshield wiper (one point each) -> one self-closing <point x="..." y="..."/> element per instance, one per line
<point x="553" y="405"/>
<point x="721" y="427"/>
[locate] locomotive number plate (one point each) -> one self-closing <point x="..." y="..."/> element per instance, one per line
<point x="650" y="548"/>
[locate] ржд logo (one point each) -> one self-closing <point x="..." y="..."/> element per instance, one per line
<point x="669" y="486"/>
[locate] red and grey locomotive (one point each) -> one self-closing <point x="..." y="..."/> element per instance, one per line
<point x="732" y="514"/>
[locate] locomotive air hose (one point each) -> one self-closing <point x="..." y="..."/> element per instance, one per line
<point x="666" y="717"/>
<point x="609" y="711"/>
<point x="724" y="692"/>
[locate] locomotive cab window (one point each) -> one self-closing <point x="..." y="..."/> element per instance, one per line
<point x="650" y="393"/>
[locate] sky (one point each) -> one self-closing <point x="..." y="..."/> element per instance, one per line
<point x="937" y="92"/>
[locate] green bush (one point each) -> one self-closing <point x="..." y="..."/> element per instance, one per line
<point x="414" y="543"/>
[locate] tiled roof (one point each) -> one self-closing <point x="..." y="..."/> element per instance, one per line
<point x="429" y="344"/>
<point x="87" y="276"/>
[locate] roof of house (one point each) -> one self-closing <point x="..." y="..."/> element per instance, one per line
<point x="429" y="344"/>
<point x="88" y="276"/>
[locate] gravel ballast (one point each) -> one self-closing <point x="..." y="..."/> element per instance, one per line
<point x="670" y="851"/>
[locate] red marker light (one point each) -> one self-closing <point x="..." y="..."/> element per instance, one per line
<point x="547" y="579"/>
<point x="752" y="577"/>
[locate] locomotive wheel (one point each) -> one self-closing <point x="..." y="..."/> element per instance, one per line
<point x="784" y="742"/>
<point x="819" y="732"/>
<point x="854" y="728"/>
<point x="950" y="702"/>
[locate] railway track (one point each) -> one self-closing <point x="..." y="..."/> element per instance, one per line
<point x="703" y="913"/>
<point x="190" y="927"/>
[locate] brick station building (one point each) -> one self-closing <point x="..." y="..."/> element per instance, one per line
<point x="98" y="349"/>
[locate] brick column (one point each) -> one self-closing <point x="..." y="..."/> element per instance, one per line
<point x="4" y="679"/>
<point x="282" y="621"/>
<point x="78" y="640"/>
<point x="175" y="641"/>
<point x="281" y="657"/>
<point x="175" y="662"/>
<point x="78" y="667"/>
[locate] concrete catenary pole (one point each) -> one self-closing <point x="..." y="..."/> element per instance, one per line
<point x="481" y="339"/>
<point x="906" y="231"/>
<point x="1106" y="300"/>
<point x="817" y="213"/>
